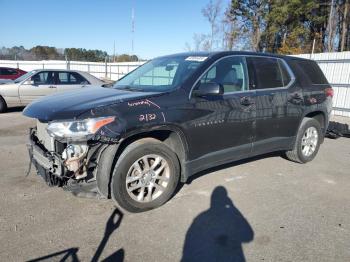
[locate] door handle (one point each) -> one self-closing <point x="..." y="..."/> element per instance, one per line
<point x="271" y="97"/>
<point x="246" y="101"/>
<point x="52" y="87"/>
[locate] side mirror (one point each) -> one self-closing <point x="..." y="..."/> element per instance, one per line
<point x="209" y="89"/>
<point x="29" y="82"/>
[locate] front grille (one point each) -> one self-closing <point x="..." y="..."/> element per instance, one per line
<point x="43" y="136"/>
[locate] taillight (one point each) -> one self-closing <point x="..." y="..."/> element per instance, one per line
<point x="329" y="92"/>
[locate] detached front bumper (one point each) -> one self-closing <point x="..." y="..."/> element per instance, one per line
<point x="48" y="164"/>
<point x="56" y="165"/>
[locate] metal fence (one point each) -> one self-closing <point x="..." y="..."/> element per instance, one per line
<point x="112" y="71"/>
<point x="336" y="67"/>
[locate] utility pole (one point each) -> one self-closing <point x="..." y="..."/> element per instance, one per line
<point x="330" y="28"/>
<point x="132" y="29"/>
<point x="114" y="51"/>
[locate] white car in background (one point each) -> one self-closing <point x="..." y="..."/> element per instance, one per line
<point x="38" y="83"/>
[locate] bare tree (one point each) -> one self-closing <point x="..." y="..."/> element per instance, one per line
<point x="188" y="47"/>
<point x="212" y="12"/>
<point x="345" y="25"/>
<point x="231" y="31"/>
<point x="251" y="15"/>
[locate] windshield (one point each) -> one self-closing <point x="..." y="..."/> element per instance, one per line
<point x="160" y="74"/>
<point x="25" y="76"/>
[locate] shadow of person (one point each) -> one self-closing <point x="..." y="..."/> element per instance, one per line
<point x="112" y="224"/>
<point x="217" y="234"/>
<point x="70" y="254"/>
<point x="64" y="255"/>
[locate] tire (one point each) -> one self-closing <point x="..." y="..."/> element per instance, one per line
<point x="104" y="169"/>
<point x="300" y="152"/>
<point x="132" y="164"/>
<point x="3" y="105"/>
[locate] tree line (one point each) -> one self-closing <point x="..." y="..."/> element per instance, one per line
<point x="52" y="53"/>
<point x="278" y="26"/>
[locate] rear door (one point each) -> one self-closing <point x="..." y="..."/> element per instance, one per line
<point x="69" y="81"/>
<point x="39" y="85"/>
<point x="276" y="119"/>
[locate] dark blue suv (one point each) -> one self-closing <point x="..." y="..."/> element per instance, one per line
<point x="175" y="116"/>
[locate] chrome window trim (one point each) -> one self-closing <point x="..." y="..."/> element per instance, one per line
<point x="290" y="72"/>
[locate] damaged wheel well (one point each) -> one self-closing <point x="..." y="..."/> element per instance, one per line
<point x="319" y="117"/>
<point x="110" y="155"/>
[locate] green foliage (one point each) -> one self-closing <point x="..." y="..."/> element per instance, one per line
<point x="126" y="58"/>
<point x="52" y="53"/>
<point x="45" y="53"/>
<point x="80" y="54"/>
<point x="291" y="26"/>
<point x="251" y="15"/>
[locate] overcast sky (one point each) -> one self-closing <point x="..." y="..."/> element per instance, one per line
<point x="161" y="26"/>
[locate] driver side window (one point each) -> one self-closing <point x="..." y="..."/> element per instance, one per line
<point x="230" y="72"/>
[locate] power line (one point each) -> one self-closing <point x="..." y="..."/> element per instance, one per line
<point x="132" y="29"/>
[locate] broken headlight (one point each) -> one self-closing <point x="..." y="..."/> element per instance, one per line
<point x="77" y="128"/>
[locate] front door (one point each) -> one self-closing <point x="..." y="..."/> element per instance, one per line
<point x="223" y="129"/>
<point x="39" y="85"/>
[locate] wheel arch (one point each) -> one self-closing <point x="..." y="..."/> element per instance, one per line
<point x="171" y="136"/>
<point x="319" y="116"/>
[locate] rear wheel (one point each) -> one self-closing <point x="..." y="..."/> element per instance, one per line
<point x="307" y="142"/>
<point x="3" y="105"/>
<point x="145" y="176"/>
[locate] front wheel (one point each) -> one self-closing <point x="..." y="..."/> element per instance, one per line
<point x="3" y="105"/>
<point x="307" y="142"/>
<point x="145" y="176"/>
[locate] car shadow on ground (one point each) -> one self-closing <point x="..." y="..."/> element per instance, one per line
<point x="224" y="166"/>
<point x="71" y="254"/>
<point x="232" y="164"/>
<point x="14" y="109"/>
<point x="218" y="233"/>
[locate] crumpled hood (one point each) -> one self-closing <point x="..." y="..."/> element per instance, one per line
<point x="69" y="105"/>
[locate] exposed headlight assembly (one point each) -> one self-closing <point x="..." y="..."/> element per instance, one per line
<point x="78" y="128"/>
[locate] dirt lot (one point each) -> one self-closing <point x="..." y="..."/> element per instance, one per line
<point x="264" y="209"/>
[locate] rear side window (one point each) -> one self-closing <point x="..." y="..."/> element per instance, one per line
<point x="312" y="71"/>
<point x="7" y="71"/>
<point x="269" y="72"/>
<point x="71" y="78"/>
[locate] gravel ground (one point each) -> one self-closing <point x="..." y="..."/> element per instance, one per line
<point x="261" y="209"/>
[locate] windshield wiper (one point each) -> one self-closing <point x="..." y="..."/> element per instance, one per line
<point x="129" y="88"/>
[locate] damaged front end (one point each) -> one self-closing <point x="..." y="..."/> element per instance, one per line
<point x="65" y="154"/>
